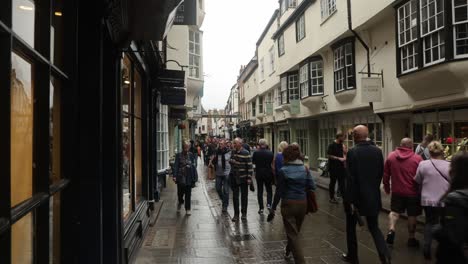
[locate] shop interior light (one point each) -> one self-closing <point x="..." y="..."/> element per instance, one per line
<point x="58" y="13"/>
<point x="27" y="8"/>
<point x="127" y="82"/>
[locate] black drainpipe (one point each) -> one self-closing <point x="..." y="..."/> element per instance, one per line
<point x="350" y="27"/>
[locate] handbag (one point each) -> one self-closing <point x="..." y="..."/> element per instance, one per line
<point x="312" y="206"/>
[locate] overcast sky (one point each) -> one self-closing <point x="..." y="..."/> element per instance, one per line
<point x="230" y="32"/>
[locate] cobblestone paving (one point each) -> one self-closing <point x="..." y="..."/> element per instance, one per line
<point x="208" y="236"/>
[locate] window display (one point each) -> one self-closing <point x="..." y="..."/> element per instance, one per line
<point x="22" y="129"/>
<point x="127" y="156"/>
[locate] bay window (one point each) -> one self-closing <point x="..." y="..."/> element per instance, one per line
<point x="293" y="86"/>
<point x="281" y="50"/>
<point x="316" y="77"/>
<point x="328" y="7"/>
<point x="260" y="105"/>
<point x="194" y="54"/>
<point x="408" y="36"/>
<point x="460" y="31"/>
<point x="432" y="30"/>
<point x="284" y="90"/>
<point x="304" y="80"/>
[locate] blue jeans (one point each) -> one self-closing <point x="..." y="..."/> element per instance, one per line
<point x="222" y="187"/>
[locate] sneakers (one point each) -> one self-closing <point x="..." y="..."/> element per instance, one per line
<point x="260" y="211"/>
<point x="390" y="237"/>
<point x="333" y="201"/>
<point x="413" y="243"/>
<point x="188" y="212"/>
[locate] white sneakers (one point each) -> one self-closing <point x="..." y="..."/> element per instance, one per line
<point x="188" y="212"/>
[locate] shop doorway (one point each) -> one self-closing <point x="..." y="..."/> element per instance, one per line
<point x="399" y="128"/>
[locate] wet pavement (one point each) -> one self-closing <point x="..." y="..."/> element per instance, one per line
<point x="208" y="236"/>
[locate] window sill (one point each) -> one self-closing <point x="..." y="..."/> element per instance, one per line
<point x="312" y="100"/>
<point x="345" y="95"/>
<point x="324" y="20"/>
<point x="299" y="40"/>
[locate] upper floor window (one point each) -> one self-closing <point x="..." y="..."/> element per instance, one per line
<point x="300" y="28"/>
<point x="260" y="104"/>
<point x="272" y="59"/>
<point x="460" y="31"/>
<point x="293" y="86"/>
<point x="408" y="35"/>
<point x="281" y="45"/>
<point x="262" y="69"/>
<point x="284" y="90"/>
<point x="304" y="80"/>
<point x="432" y="31"/>
<point x="254" y="108"/>
<point x="194" y="54"/>
<point x="343" y="57"/>
<point x="328" y="7"/>
<point x="316" y="77"/>
<point x="285" y="4"/>
<point x="278" y="96"/>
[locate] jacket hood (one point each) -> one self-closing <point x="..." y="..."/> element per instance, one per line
<point x="404" y="153"/>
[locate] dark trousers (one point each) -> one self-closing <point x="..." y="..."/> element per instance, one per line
<point x="222" y="187"/>
<point x="373" y="227"/>
<point x="243" y="188"/>
<point x="183" y="190"/>
<point x="293" y="217"/>
<point x="269" y="190"/>
<point x="334" y="177"/>
<point x="433" y="215"/>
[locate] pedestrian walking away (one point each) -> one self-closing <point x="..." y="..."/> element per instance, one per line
<point x="365" y="166"/>
<point x="277" y="165"/>
<point x="241" y="167"/>
<point x="185" y="176"/>
<point x="422" y="149"/>
<point x="223" y="169"/>
<point x="399" y="171"/>
<point x="337" y="158"/>
<point x="263" y="161"/>
<point x="434" y="178"/>
<point x="294" y="181"/>
<point x="452" y="234"/>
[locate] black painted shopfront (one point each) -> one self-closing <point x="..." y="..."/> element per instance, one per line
<point x="79" y="107"/>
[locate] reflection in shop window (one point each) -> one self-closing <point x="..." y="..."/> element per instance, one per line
<point x="22" y="240"/>
<point x="54" y="130"/>
<point x="54" y="226"/>
<point x="127" y="153"/>
<point x="22" y="93"/>
<point x="137" y="136"/>
<point x="24" y="12"/>
<point x="57" y="33"/>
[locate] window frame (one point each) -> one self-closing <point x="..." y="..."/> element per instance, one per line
<point x="262" y="69"/>
<point x="300" y="28"/>
<point x="342" y="71"/>
<point x="455" y="24"/>
<point x="284" y="91"/>
<point x="193" y="55"/>
<point x="304" y="81"/>
<point x="260" y="104"/>
<point x="272" y="59"/>
<point x="439" y="31"/>
<point x="281" y="45"/>
<point x="327" y="8"/>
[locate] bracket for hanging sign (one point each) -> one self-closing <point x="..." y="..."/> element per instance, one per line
<point x="375" y="73"/>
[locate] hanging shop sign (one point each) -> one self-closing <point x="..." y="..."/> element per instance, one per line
<point x="186" y="13"/>
<point x="295" y="106"/>
<point x="371" y="89"/>
<point x="172" y="78"/>
<point x="178" y="114"/>
<point x="173" y="96"/>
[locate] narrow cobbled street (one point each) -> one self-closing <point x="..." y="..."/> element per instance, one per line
<point x="207" y="236"/>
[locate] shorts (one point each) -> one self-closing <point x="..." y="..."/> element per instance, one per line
<point x="400" y="204"/>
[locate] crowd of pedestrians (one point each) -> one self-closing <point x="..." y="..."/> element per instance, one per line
<point x="418" y="181"/>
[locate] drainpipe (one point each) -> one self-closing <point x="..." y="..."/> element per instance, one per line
<point x="350" y="27"/>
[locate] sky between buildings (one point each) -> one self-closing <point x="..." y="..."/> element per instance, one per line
<point x="230" y="33"/>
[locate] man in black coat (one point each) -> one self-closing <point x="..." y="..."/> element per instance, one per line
<point x="263" y="160"/>
<point x="365" y="165"/>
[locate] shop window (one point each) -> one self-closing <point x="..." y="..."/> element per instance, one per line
<point x="54" y="130"/>
<point x="22" y="240"/>
<point x="57" y="33"/>
<point x="54" y="229"/>
<point x="127" y="124"/>
<point x="22" y="113"/>
<point x="303" y="140"/>
<point x="23" y="20"/>
<point x="137" y="117"/>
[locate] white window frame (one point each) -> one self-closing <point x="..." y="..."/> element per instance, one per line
<point x="194" y="69"/>
<point x="293" y="87"/>
<point x="260" y="104"/>
<point x="300" y="28"/>
<point x="162" y="147"/>
<point x="408" y="48"/>
<point x="316" y="77"/>
<point x="427" y="36"/>
<point x="327" y="8"/>
<point x="304" y="80"/>
<point x="272" y="59"/>
<point x="281" y="47"/>
<point x="262" y="69"/>
<point x="277" y="96"/>
<point x="457" y="24"/>
<point x="284" y="90"/>
<point x="341" y="66"/>
<point x="283" y="6"/>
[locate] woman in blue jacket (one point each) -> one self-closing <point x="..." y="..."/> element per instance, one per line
<point x="294" y="180"/>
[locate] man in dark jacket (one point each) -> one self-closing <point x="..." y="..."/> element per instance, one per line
<point x="241" y="178"/>
<point x="365" y="167"/>
<point x="263" y="159"/>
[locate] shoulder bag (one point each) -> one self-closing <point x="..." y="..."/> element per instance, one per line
<point x="441" y="174"/>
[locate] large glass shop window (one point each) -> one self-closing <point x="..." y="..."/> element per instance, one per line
<point x="54" y="130"/>
<point x="24" y="12"/>
<point x="22" y="240"/>
<point x="137" y="136"/>
<point x="127" y="156"/>
<point x="22" y="92"/>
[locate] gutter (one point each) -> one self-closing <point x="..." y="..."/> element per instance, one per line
<point x="366" y="47"/>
